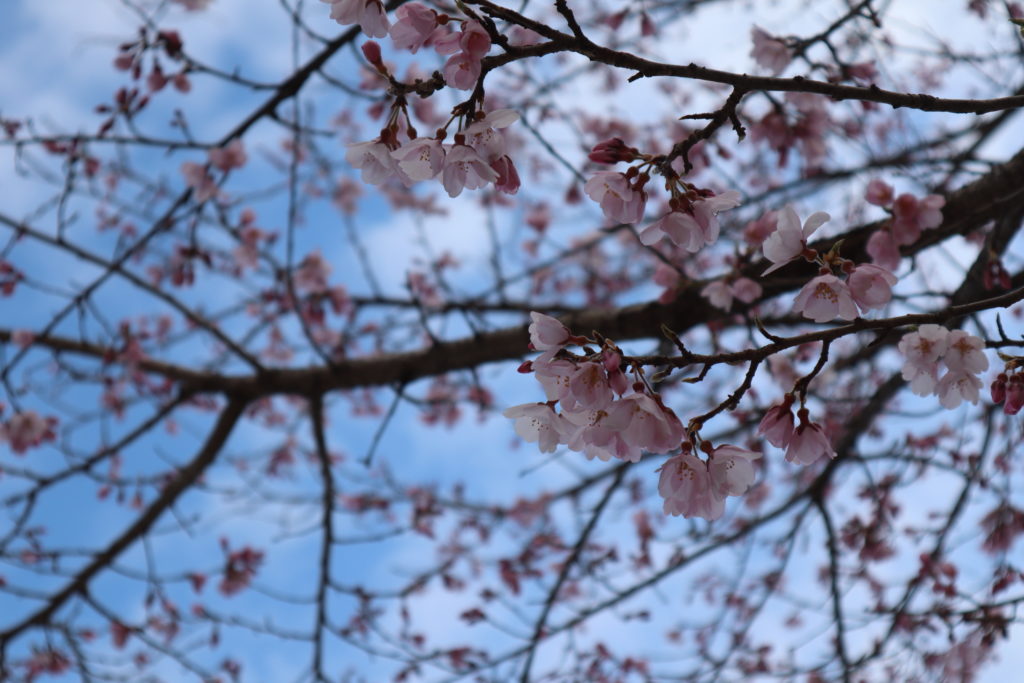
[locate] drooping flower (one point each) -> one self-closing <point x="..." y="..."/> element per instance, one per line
<point x="912" y="215"/>
<point x="957" y="386"/>
<point x="465" y="168"/>
<point x="619" y="200"/>
<point x="871" y="286"/>
<point x="538" y="422"/>
<point x="375" y="163"/>
<point x="731" y="469"/>
<point x="369" y="14"/>
<point x="420" y="159"/>
<point x="777" y="424"/>
<point x="883" y="250"/>
<point x="770" y="53"/>
<point x="646" y="423"/>
<point x="415" y="24"/>
<point x="808" y="443"/>
<point x="547" y="333"/>
<point x="824" y="298"/>
<point x="685" y="484"/>
<point x="790" y="238"/>
<point x="694" y="226"/>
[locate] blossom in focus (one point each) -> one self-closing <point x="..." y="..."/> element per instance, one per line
<point x="965" y="352"/>
<point x="546" y="333"/>
<point x="692" y="227"/>
<point x="685" y="484"/>
<point x="957" y="386"/>
<point x="369" y="14"/>
<point x="420" y="159"/>
<point x="465" y="168"/>
<point x="731" y="469"/>
<point x="790" y="237"/>
<point x="414" y="24"/>
<point x="824" y="298"/>
<point x="538" y="422"/>
<point x="770" y="53"/>
<point x="618" y="199"/>
<point x="808" y="443"/>
<point x="777" y="424"/>
<point x="375" y="163"/>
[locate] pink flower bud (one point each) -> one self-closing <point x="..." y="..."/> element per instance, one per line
<point x="371" y="50"/>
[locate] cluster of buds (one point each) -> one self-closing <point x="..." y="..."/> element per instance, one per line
<point x="692" y="221"/>
<point x="478" y="157"/>
<point x="1008" y="389"/>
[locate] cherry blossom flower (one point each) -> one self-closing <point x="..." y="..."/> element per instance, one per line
<point x="420" y="159"/>
<point x="231" y="156"/>
<point x="538" y="422"/>
<point x="731" y="469"/>
<point x="685" y="484"/>
<point x="598" y="435"/>
<point x="462" y="71"/>
<point x="546" y="333"/>
<point x="618" y="199"/>
<point x="375" y="163"/>
<point x="647" y="423"/>
<point x="777" y="424"/>
<point x="694" y="227"/>
<point x="28" y="429"/>
<point x="824" y="298"/>
<point x="311" y="275"/>
<point x="770" y="53"/>
<point x="369" y="14"/>
<point x="879" y="193"/>
<point x="756" y="232"/>
<point x="871" y="286"/>
<point x="487" y="135"/>
<point x="721" y="293"/>
<point x="957" y="386"/>
<point x="790" y="238"/>
<point x="965" y="352"/>
<point x="883" y="250"/>
<point x="588" y="388"/>
<point x="612" y="151"/>
<point x="465" y="168"/>
<point x="808" y="443"/>
<point x="921" y="351"/>
<point x="203" y="185"/>
<point x="415" y="24"/>
<point x="553" y="374"/>
<point x="912" y="215"/>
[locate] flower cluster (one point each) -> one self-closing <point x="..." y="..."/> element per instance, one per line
<point x="605" y="416"/>
<point x="867" y="286"/>
<point x="692" y="220"/>
<point x="417" y="26"/>
<point x="962" y="354"/>
<point x="477" y="158"/>
<point x="805" y="443"/>
<point x="910" y="216"/>
<point x="26" y="430"/>
<point x="694" y="488"/>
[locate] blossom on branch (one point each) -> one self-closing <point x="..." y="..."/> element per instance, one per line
<point x="369" y="14"/>
<point x="790" y="238"/>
